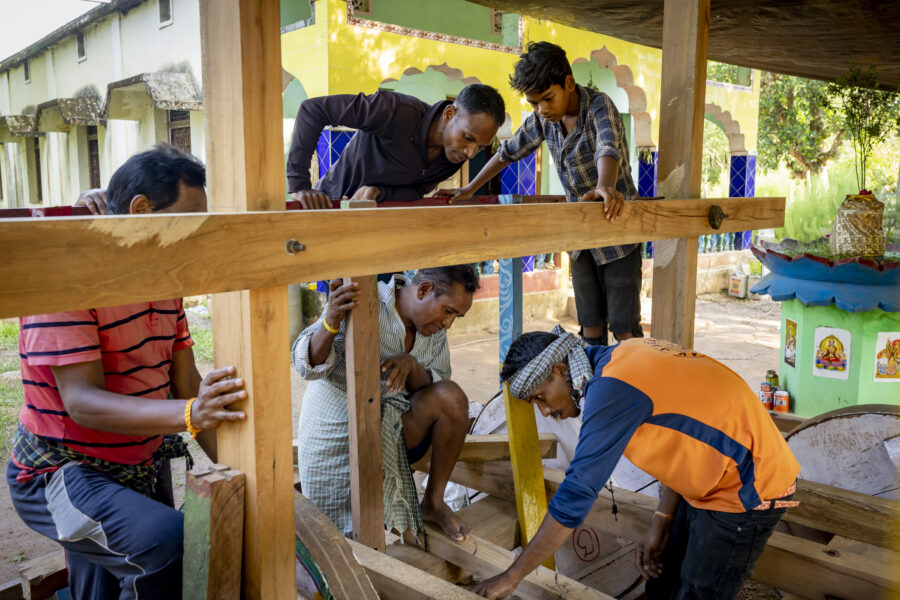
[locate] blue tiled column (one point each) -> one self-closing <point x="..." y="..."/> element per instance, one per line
<point x="520" y="178"/>
<point x="742" y="184"/>
<point x="510" y="300"/>
<point x="647" y="176"/>
<point x="329" y="148"/>
<point x="647" y="184"/>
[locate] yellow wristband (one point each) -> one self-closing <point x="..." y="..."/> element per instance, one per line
<point x="187" y="419"/>
<point x="329" y="327"/>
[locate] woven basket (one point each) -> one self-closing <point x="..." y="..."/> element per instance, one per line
<point x="857" y="229"/>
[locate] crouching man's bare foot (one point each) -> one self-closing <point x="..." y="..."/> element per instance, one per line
<point x="441" y="515"/>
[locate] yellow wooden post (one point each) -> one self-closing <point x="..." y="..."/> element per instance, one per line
<point x="528" y="472"/>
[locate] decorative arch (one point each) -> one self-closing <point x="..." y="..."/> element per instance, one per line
<point x="635" y="95"/>
<point x="728" y="124"/>
<point x="435" y="83"/>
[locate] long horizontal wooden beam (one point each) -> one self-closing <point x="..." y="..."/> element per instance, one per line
<point x="52" y="265"/>
<point x="825" y="573"/>
<point x="495" y="446"/>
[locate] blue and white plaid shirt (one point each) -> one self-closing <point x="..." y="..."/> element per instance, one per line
<point x="598" y="132"/>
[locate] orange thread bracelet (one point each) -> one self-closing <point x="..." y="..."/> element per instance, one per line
<point x="662" y="514"/>
<point x="187" y="419"/>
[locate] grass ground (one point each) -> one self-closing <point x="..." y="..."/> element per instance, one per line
<point x="11" y="394"/>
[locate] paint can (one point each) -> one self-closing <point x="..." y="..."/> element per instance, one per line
<point x="781" y="401"/>
<point x="767" y="399"/>
<point x="765" y="386"/>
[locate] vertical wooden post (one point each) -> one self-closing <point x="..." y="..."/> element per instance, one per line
<point x="685" y="38"/>
<point x="213" y="534"/>
<point x="524" y="447"/>
<point x="241" y="45"/>
<point x="364" y="410"/>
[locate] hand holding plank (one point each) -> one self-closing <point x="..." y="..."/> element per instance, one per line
<point x="217" y="391"/>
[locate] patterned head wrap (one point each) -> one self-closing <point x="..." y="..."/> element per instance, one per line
<point x="567" y="348"/>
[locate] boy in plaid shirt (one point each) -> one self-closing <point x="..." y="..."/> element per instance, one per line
<point x="586" y="136"/>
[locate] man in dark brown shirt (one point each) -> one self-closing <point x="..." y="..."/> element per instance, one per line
<point x="402" y="148"/>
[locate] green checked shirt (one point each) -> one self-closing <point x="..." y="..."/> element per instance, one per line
<point x="598" y="132"/>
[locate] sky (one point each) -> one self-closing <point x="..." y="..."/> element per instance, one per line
<point x="23" y="22"/>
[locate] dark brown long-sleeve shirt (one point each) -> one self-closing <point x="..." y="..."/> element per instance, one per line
<point x="389" y="149"/>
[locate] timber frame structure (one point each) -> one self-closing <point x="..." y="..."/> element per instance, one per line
<point x="248" y="249"/>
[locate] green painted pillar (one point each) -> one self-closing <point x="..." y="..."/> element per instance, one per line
<point x="812" y="392"/>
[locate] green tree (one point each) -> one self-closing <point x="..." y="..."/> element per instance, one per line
<point x="715" y="161"/>
<point x="797" y="125"/>
<point x="870" y="113"/>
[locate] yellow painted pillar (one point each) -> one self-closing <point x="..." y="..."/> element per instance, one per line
<point x="528" y="471"/>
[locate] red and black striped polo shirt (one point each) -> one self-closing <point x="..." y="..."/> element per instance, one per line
<point x="135" y="343"/>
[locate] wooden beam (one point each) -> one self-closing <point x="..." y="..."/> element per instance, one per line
<point x="683" y="92"/>
<point x="844" y="575"/>
<point x="396" y="580"/>
<point x="207" y="253"/>
<point x="11" y="590"/>
<point x="485" y="560"/>
<point x="849" y="514"/>
<point x="495" y="446"/>
<point x="364" y="409"/>
<point x="42" y="577"/>
<point x="241" y="54"/>
<point x="786" y="423"/>
<point x="331" y="551"/>
<point x="818" y="572"/>
<point x="492" y="519"/>
<point x="213" y="533"/>
<point x="528" y="471"/>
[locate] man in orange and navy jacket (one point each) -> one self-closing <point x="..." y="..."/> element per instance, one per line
<point x="687" y="420"/>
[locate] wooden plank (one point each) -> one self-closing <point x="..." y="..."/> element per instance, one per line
<point x="331" y="551"/>
<point x="786" y="423"/>
<point x="241" y="54"/>
<point x="416" y="556"/>
<point x="683" y="90"/>
<point x="492" y="519"/>
<point x="11" y="590"/>
<point x="396" y="580"/>
<point x="485" y="560"/>
<point x="200" y="253"/>
<point x="364" y="409"/>
<point x="43" y="576"/>
<point x="213" y="533"/>
<point x="817" y="572"/>
<point x="495" y="446"/>
<point x="528" y="471"/>
<point x="845" y="575"/>
<point x="849" y="514"/>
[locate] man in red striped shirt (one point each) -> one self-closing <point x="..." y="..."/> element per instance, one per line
<point x="104" y="390"/>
